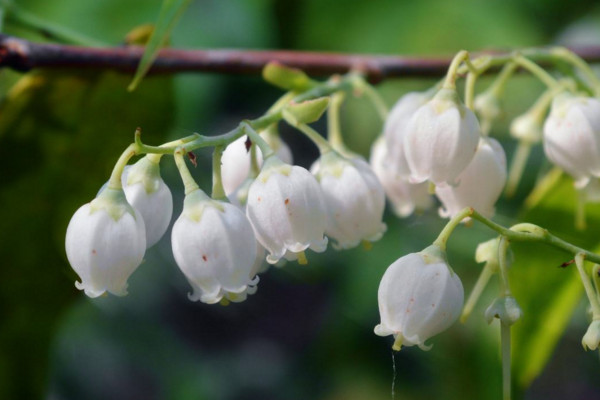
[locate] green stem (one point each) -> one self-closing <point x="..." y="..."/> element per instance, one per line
<point x="503" y="266"/>
<point x="24" y="18"/>
<point x="334" y="131"/>
<point x="536" y="70"/>
<point x="517" y="233"/>
<point x="596" y="279"/>
<point x="188" y="181"/>
<point x="572" y="58"/>
<point x="505" y="345"/>
<point x="497" y="88"/>
<point x="587" y="285"/>
<point x="470" y="90"/>
<point x="373" y="96"/>
<point x="517" y="167"/>
<point x="265" y="149"/>
<point x="482" y="281"/>
<point x="218" y="193"/>
<point x="115" y="177"/>
<point x="314" y="136"/>
<point x="254" y="167"/>
<point x="451" y="75"/>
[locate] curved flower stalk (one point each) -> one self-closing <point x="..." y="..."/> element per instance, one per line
<point x="354" y="199"/>
<point x="572" y="136"/>
<point x="105" y="243"/>
<point x="404" y="196"/>
<point x="236" y="160"/>
<point x="147" y="192"/>
<point x="395" y="127"/>
<point x="286" y="210"/>
<point x="479" y="185"/>
<point x="215" y="248"/>
<point x="440" y="139"/>
<point x="419" y="297"/>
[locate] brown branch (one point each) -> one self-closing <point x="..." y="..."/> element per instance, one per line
<point x="23" y="55"/>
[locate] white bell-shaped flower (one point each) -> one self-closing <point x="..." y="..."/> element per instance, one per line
<point x="147" y="192"/>
<point x="440" y="139"/>
<point x="404" y="196"/>
<point x="354" y="199"/>
<point x="419" y="297"/>
<point x="105" y="243"/>
<point x="395" y="127"/>
<point x="572" y="136"/>
<point x="479" y="185"/>
<point x="591" y="339"/>
<point x="235" y="162"/>
<point x="215" y="248"/>
<point x="286" y="209"/>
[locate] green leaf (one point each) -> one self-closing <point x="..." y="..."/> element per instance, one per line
<point x="170" y="12"/>
<point x="286" y="78"/>
<point x="308" y="111"/>
<point x="547" y="294"/>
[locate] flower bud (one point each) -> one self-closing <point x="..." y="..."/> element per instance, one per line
<point x="354" y="199"/>
<point x="504" y="308"/>
<point x="479" y="185"/>
<point x="591" y="339"/>
<point x="236" y="160"/>
<point x="395" y="128"/>
<point x="527" y="128"/>
<point x="419" y="297"/>
<point x="215" y="248"/>
<point x="405" y="197"/>
<point x="572" y="136"/>
<point x="487" y="105"/>
<point x="441" y="139"/>
<point x="286" y="210"/>
<point x="147" y="192"/>
<point x="105" y="243"/>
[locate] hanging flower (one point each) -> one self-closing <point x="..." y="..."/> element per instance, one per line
<point x="591" y="339"/>
<point x="354" y="199"/>
<point x="236" y="160"/>
<point x="395" y="128"/>
<point x="147" y="192"/>
<point x="105" y="243"/>
<point x="572" y="136"/>
<point x="419" y="297"/>
<point x="479" y="185"/>
<point x="404" y="196"/>
<point x="286" y="209"/>
<point x="440" y="139"/>
<point x="215" y="248"/>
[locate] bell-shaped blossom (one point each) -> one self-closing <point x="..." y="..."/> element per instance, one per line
<point x="395" y="127"/>
<point x="527" y="128"/>
<point x="105" y="243"/>
<point x="479" y="185"/>
<point x="572" y="136"/>
<point x="591" y="339"/>
<point x="215" y="248"/>
<point x="235" y="161"/>
<point x="286" y="209"/>
<point x="354" y="199"/>
<point x="147" y="192"/>
<point x="404" y="196"/>
<point x="440" y="139"/>
<point x="419" y="297"/>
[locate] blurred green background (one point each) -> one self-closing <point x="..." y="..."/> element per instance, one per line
<point x="308" y="331"/>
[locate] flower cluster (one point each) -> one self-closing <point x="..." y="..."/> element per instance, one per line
<point x="220" y="247"/>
